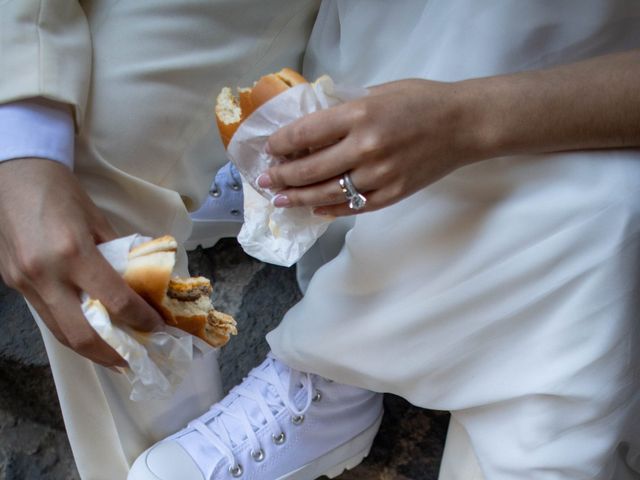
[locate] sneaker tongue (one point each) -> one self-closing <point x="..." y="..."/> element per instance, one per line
<point x="269" y="393"/>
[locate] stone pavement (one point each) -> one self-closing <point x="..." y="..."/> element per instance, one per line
<point x="33" y="445"/>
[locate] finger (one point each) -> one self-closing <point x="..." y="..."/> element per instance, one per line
<point x="45" y="314"/>
<point x="98" y="278"/>
<point x="324" y="193"/>
<point x="64" y="304"/>
<point x="101" y="229"/>
<point x="375" y="200"/>
<point x="312" y="131"/>
<point x="314" y="168"/>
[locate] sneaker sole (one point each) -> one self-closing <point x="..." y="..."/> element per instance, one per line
<point x="206" y="234"/>
<point x="345" y="457"/>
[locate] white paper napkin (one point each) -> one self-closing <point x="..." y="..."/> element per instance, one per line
<point x="158" y="361"/>
<point x="279" y="235"/>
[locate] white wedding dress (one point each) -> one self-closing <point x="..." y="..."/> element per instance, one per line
<point x="508" y="292"/>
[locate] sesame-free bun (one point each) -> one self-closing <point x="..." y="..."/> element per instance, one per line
<point x="183" y="302"/>
<point x="231" y="111"/>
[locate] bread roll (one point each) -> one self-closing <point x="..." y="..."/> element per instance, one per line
<point x="231" y="111"/>
<point x="183" y="302"/>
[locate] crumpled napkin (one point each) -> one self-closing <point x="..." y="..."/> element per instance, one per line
<point x="158" y="361"/>
<point x="279" y="235"/>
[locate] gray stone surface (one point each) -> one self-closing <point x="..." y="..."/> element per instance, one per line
<point x="26" y="387"/>
<point x="32" y="451"/>
<point x="32" y="440"/>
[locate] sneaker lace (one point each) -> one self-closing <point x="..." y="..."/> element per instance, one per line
<point x="235" y="175"/>
<point x="215" y="425"/>
<point x="228" y="171"/>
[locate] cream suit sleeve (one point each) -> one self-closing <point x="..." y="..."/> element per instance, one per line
<point x="45" y="51"/>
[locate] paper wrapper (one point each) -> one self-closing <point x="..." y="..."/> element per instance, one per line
<point x="158" y="361"/>
<point x="279" y="235"/>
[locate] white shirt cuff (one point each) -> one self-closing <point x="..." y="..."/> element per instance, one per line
<point x="36" y="127"/>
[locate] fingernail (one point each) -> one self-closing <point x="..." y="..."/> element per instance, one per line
<point x="267" y="149"/>
<point x="281" y="201"/>
<point x="265" y="181"/>
<point x="321" y="212"/>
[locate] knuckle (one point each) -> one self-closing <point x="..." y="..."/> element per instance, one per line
<point x="295" y="199"/>
<point x="385" y="172"/>
<point x="298" y="134"/>
<point x="68" y="247"/>
<point x="81" y="341"/>
<point x="30" y="265"/>
<point x="119" y="304"/>
<point x="112" y="360"/>
<point x="280" y="176"/>
<point x="360" y="112"/>
<point x="371" y="145"/>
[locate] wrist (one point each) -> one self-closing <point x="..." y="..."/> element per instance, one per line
<point x="483" y="119"/>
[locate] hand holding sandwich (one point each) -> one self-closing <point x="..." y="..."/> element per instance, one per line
<point x="50" y="228"/>
<point x="401" y="137"/>
<point x="407" y="134"/>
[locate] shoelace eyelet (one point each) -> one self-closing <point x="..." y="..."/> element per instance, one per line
<point x="297" y="419"/>
<point x="214" y="192"/>
<point x="235" y="470"/>
<point x="257" y="456"/>
<point x="235" y="212"/>
<point x="235" y="186"/>
<point x="317" y="397"/>
<point x="279" y="439"/>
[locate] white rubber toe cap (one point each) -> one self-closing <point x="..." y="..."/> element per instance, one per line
<point x="165" y="461"/>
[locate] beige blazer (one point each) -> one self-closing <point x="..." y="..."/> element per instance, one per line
<point x="142" y="76"/>
<point x="45" y="50"/>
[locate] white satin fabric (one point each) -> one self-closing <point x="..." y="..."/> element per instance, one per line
<point x="508" y="291"/>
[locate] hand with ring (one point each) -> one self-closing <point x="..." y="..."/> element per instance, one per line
<point x="372" y="152"/>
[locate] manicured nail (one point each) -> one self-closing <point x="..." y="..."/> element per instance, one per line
<point x="264" y="180"/>
<point x="281" y="201"/>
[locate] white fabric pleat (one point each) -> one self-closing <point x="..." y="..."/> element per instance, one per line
<point x="508" y="291"/>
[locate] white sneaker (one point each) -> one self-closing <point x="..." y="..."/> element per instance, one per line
<point x="221" y="215"/>
<point x="278" y="424"/>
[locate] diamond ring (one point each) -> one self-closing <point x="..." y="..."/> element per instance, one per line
<point x="357" y="201"/>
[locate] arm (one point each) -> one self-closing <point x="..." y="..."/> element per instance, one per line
<point x="50" y="227"/>
<point x="587" y="105"/>
<point x="406" y="135"/>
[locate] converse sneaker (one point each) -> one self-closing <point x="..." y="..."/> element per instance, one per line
<point x="221" y="214"/>
<point x="278" y="424"/>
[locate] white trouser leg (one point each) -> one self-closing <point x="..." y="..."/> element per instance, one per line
<point x="147" y="154"/>
<point x="459" y="461"/>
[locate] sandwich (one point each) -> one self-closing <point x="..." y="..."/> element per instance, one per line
<point x="232" y="110"/>
<point x="184" y="303"/>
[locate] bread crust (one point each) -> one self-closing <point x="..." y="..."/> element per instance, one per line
<point x="250" y="99"/>
<point x="161" y="244"/>
<point x="149" y="273"/>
